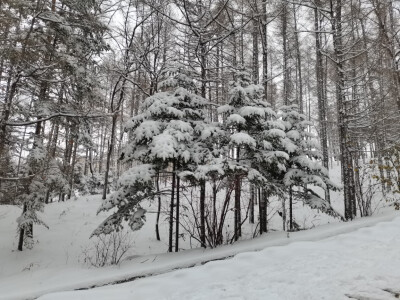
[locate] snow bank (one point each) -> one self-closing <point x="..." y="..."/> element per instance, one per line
<point x="363" y="264"/>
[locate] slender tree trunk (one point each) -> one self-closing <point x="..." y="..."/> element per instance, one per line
<point x="284" y="213"/>
<point x="238" y="217"/>
<point x="251" y="209"/>
<point x="177" y="223"/>
<point x="86" y="165"/>
<point x="298" y="62"/>
<point x="171" y="209"/>
<point x="264" y="39"/>
<point x="202" y="213"/>
<point x="255" y="53"/>
<point x="21" y="233"/>
<point x="158" y="207"/>
<point x="67" y="153"/>
<point x="290" y="208"/>
<point x="109" y="154"/>
<point x="203" y="62"/>
<point x="263" y="197"/>
<point x="214" y="215"/>
<point x="71" y="178"/>
<point x="101" y="150"/>
<point x="286" y="99"/>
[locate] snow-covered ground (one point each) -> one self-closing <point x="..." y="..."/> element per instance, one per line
<point x="56" y="262"/>
<point x="364" y="264"/>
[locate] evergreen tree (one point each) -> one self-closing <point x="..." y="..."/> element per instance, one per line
<point x="163" y="137"/>
<point x="250" y="136"/>
<point x="304" y="167"/>
<point x="42" y="175"/>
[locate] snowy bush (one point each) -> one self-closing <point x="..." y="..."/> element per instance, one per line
<point x="108" y="249"/>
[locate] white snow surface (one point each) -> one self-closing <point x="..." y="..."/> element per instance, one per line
<point x="363" y="263"/>
<point x="314" y="264"/>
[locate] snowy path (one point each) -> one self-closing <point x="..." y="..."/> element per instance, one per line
<point x="358" y="265"/>
<point x="281" y="267"/>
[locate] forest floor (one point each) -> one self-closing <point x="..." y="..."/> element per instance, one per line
<point x="309" y="264"/>
<point x="363" y="264"/>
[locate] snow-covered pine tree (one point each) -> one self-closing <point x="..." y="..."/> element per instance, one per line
<point x="178" y="79"/>
<point x="270" y="161"/>
<point x="208" y="165"/>
<point x="246" y="116"/>
<point x="42" y="176"/>
<point x="162" y="139"/>
<point x="304" y="166"/>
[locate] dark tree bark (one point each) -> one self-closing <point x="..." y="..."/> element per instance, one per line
<point x="171" y="208"/>
<point x="299" y="83"/>
<point x="202" y="213"/>
<point x="238" y="208"/>
<point x="158" y="207"/>
<point x="255" y="66"/>
<point x="346" y="158"/>
<point x="251" y="204"/>
<point x="177" y="223"/>
<point x="286" y="78"/>
<point x="262" y="196"/>
<point x="290" y="208"/>
<point x="264" y="43"/>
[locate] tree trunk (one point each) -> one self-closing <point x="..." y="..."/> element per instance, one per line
<point x="202" y="213"/>
<point x="284" y="213"/>
<point x="21" y="233"/>
<point x="346" y="159"/>
<point x="262" y="196"/>
<point x="158" y="207"/>
<point x="255" y="53"/>
<point x="102" y="146"/>
<point x="290" y="208"/>
<point x="203" y="62"/>
<point x="298" y="61"/>
<point x="71" y="178"/>
<point x="251" y="209"/>
<point x="322" y="105"/>
<point x="109" y="154"/>
<point x="286" y="100"/>
<point x="178" y="183"/>
<point x="171" y="209"/>
<point x="264" y="39"/>
<point x="238" y="217"/>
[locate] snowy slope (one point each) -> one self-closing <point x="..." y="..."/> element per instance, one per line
<point x="364" y="264"/>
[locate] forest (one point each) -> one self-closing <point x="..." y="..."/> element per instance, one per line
<point x="210" y="114"/>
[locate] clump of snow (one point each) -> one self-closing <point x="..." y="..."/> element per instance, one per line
<point x="242" y="138"/>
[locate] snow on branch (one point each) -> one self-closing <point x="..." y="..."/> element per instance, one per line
<point x="27" y="123"/>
